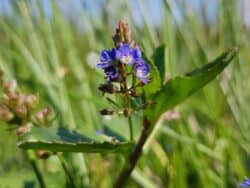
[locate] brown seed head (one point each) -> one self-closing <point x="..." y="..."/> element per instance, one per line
<point x="23" y="129"/>
<point x="43" y="116"/>
<point x="122" y="33"/>
<point x="125" y="31"/>
<point x="108" y="88"/>
<point x="127" y="112"/>
<point x="5" y="113"/>
<point x="21" y="111"/>
<point x="43" y="154"/>
<point x="13" y="99"/>
<point x="30" y="100"/>
<point x="11" y="86"/>
<point x="107" y="112"/>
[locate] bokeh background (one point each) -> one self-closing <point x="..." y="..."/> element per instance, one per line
<point x="52" y="48"/>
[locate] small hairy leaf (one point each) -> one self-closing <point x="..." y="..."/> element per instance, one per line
<point x="62" y="140"/>
<point x="179" y="88"/>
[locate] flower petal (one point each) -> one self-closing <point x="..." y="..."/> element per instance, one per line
<point x="144" y="80"/>
<point x="136" y="53"/>
<point x="126" y="54"/>
<point x="104" y="56"/>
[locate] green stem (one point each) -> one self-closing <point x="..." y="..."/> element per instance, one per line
<point x="39" y="176"/>
<point x="125" y="88"/>
<point x="134" y="156"/>
<point x="38" y="173"/>
<point x="130" y="123"/>
<point x="66" y="171"/>
<point x="130" y="128"/>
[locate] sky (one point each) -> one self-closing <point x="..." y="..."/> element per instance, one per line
<point x="93" y="7"/>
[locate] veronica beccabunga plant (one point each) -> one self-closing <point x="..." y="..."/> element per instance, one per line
<point x="129" y="76"/>
<point x="124" y="61"/>
<point x="125" y="70"/>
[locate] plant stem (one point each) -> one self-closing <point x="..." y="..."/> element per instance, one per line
<point x="130" y="128"/>
<point x="134" y="156"/>
<point x="38" y="173"/>
<point x="33" y="164"/>
<point x="128" y="108"/>
<point x="66" y="171"/>
<point x="129" y="117"/>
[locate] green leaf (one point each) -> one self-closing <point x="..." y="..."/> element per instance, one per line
<point x="111" y="133"/>
<point x="62" y="140"/>
<point x="179" y="88"/>
<point x="155" y="84"/>
<point x="159" y="60"/>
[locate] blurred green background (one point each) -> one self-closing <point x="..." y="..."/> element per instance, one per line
<point x="52" y="48"/>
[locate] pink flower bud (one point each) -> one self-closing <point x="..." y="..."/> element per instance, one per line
<point x="43" y="116"/>
<point x="5" y="113"/>
<point x="11" y="86"/>
<point x="21" y="111"/>
<point x="23" y="129"/>
<point x="30" y="100"/>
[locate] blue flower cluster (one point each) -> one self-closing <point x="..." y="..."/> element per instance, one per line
<point x="125" y="54"/>
<point x="246" y="183"/>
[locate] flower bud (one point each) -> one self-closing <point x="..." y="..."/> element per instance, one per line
<point x="11" y="86"/>
<point x="122" y="33"/>
<point x="133" y="93"/>
<point x="23" y="129"/>
<point x="30" y="100"/>
<point x="108" y="88"/>
<point x="43" y="116"/>
<point x="127" y="112"/>
<point x="5" y="113"/>
<point x="21" y="111"/>
<point x="107" y="112"/>
<point x="43" y="154"/>
<point x="125" y="31"/>
<point x="13" y="99"/>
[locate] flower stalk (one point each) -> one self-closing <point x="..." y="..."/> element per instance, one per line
<point x="119" y="63"/>
<point x="134" y="156"/>
<point x="19" y="111"/>
<point x="127" y="110"/>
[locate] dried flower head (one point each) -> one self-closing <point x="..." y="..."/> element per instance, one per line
<point x="18" y="109"/>
<point x="43" y="116"/>
<point x="108" y="88"/>
<point x="107" y="112"/>
<point x="10" y="86"/>
<point x="43" y="154"/>
<point x="122" y="33"/>
<point x="23" y="129"/>
<point x="30" y="100"/>
<point x="5" y="113"/>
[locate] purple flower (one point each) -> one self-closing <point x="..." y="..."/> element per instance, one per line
<point x="246" y="183"/>
<point x="111" y="73"/>
<point x="141" y="70"/>
<point x="128" y="55"/>
<point x="107" y="58"/>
